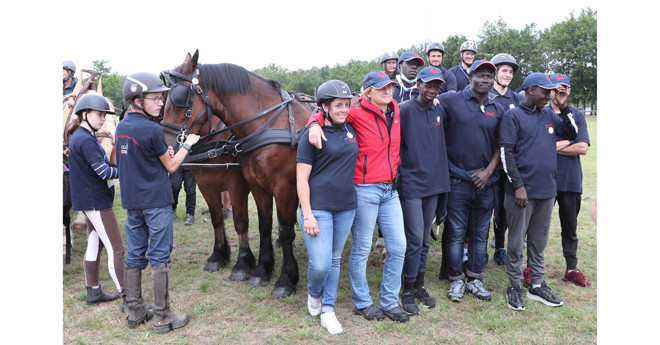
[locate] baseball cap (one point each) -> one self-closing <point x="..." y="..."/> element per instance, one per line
<point x="407" y="56"/>
<point x="482" y="62"/>
<point x="560" y="79"/>
<point x="377" y="79"/>
<point x="538" y="79"/>
<point x="430" y="73"/>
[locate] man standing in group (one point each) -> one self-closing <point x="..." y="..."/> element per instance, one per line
<point x="569" y="184"/>
<point x="472" y="149"/>
<point x="528" y="152"/>
<point x="434" y="54"/>
<point x="143" y="161"/>
<point x="409" y="65"/>
<point x="389" y="61"/>
<point x="506" y="67"/>
<point x="468" y="54"/>
<point x="68" y="80"/>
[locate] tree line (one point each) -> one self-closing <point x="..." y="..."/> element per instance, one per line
<point x="568" y="47"/>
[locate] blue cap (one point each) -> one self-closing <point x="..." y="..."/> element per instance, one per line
<point x="560" y="79"/>
<point x="407" y="56"/>
<point x="538" y="79"/>
<point x="430" y="73"/>
<point x="377" y="79"/>
<point x="480" y="63"/>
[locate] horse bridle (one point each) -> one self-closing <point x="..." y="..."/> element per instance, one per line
<point x="181" y="95"/>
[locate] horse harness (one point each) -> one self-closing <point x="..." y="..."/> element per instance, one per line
<point x="182" y="95"/>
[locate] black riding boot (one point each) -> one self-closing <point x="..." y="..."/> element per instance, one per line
<point x="97" y="295"/>
<point x="137" y="309"/>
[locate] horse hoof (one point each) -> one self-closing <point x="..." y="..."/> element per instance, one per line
<point x="257" y="281"/>
<point x="238" y="276"/>
<point x="213" y="266"/>
<point x="282" y="292"/>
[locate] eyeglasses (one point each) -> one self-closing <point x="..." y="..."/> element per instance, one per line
<point x="156" y="99"/>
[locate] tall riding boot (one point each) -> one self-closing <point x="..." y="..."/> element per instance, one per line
<point x="138" y="312"/>
<point x="164" y="320"/>
<point x="97" y="295"/>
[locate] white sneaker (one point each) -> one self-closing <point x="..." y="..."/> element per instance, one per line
<point x="329" y="321"/>
<point x="314" y="305"/>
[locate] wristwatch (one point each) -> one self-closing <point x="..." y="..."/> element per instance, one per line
<point x="187" y="147"/>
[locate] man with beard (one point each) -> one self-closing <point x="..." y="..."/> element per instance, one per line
<point x="409" y="64"/>
<point x="434" y="54"/>
<point x="468" y="54"/>
<point x="528" y="137"/>
<point x="471" y="131"/>
<point x="506" y="66"/>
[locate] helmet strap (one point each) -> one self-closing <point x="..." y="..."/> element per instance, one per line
<point x="94" y="130"/>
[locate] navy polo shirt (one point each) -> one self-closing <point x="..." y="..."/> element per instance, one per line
<point x="88" y="190"/>
<point x="508" y="100"/>
<point x="331" y="183"/>
<point x="569" y="168"/>
<point x="532" y="133"/>
<point x="461" y="77"/>
<point x="471" y="134"/>
<point x="144" y="180"/>
<point x="450" y="81"/>
<point x="423" y="167"/>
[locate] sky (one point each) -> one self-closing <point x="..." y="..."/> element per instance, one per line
<point x="294" y="35"/>
<point x="152" y="36"/>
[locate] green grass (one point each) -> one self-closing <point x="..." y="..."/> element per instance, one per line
<point x="223" y="311"/>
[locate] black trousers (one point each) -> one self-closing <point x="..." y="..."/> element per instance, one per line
<point x="499" y="221"/>
<point x="569" y="208"/>
<point x="186" y="177"/>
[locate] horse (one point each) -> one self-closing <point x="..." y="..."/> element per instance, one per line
<point x="268" y="163"/>
<point x="212" y="182"/>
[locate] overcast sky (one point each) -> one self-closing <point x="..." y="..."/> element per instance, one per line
<point x="296" y="34"/>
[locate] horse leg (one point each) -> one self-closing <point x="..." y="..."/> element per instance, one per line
<point x="245" y="261"/>
<point x="211" y="190"/>
<point x="262" y="273"/>
<point x="286" y="215"/>
<point x="79" y="222"/>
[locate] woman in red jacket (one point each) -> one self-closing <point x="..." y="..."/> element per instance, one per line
<point x="375" y="118"/>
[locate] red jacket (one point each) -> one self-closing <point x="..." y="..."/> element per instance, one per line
<point x="378" y="158"/>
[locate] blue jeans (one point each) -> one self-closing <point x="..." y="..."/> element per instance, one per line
<point x="377" y="202"/>
<point x="462" y="199"/>
<point x="149" y="231"/>
<point x="324" y="251"/>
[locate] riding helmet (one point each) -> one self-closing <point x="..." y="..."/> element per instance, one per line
<point x="140" y="83"/>
<point x="469" y="45"/>
<point x="93" y="101"/>
<point x="69" y="65"/>
<point x="435" y="46"/>
<point x="332" y="89"/>
<point x="503" y="58"/>
<point x="389" y="56"/>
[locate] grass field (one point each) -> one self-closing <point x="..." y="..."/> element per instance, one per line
<point x="223" y="311"/>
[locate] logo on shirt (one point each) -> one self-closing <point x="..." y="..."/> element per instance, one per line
<point x="490" y="114"/>
<point x="550" y="128"/>
<point x="511" y="106"/>
<point x="123" y="149"/>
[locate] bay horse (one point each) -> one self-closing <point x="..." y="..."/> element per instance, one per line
<point x="211" y="183"/>
<point x="235" y="95"/>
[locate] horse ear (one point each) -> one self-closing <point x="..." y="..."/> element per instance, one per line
<point x="190" y="63"/>
<point x="195" y="58"/>
<point x="188" y="57"/>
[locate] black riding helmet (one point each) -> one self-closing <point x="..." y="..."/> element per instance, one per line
<point x="330" y="90"/>
<point x="93" y="101"/>
<point x="137" y="84"/>
<point x="435" y="46"/>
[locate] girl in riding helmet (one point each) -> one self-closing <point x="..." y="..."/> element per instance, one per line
<point x="327" y="199"/>
<point x="93" y="192"/>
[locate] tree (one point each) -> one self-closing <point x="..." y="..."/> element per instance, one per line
<point x="570" y="48"/>
<point x="452" y="47"/>
<point x="113" y="82"/>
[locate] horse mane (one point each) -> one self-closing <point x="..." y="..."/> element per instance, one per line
<point x="227" y="78"/>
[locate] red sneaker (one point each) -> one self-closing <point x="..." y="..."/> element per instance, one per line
<point x="576" y="277"/>
<point x="528" y="277"/>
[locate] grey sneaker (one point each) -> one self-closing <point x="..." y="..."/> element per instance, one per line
<point x="492" y="243"/>
<point x="190" y="219"/>
<point x="476" y="287"/>
<point x="456" y="291"/>
<point x="514" y="298"/>
<point x="544" y="295"/>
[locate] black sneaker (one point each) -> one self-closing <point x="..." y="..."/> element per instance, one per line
<point x="407" y="302"/>
<point x="514" y="298"/>
<point x="370" y="313"/>
<point x="424" y="298"/>
<point x="544" y="295"/>
<point x="396" y="314"/>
